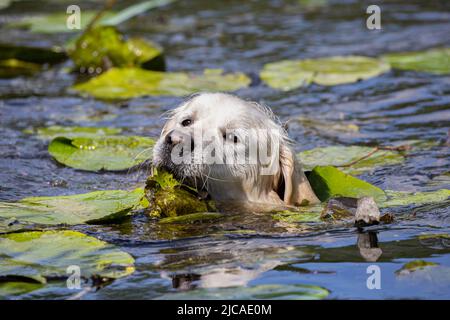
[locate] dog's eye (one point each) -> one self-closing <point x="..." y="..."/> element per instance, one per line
<point x="186" y="122"/>
<point x="231" y="137"/>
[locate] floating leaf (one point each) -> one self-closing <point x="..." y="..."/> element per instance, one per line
<point x="401" y="198"/>
<point x="8" y="225"/>
<point x="93" y="207"/>
<point x="304" y="214"/>
<point x="32" y="54"/>
<point x="263" y="291"/>
<point x="169" y="198"/>
<point x="415" y="265"/>
<point x="104" y="47"/>
<point x="11" y="68"/>
<point x="52" y="132"/>
<point x="57" y="22"/>
<point x="193" y="217"/>
<point x="101" y="153"/>
<point x="291" y="74"/>
<point x="39" y="256"/>
<point x="320" y="125"/>
<point x="54" y="22"/>
<point x="128" y="83"/>
<point x="5" y="3"/>
<point x="327" y="182"/>
<point x="342" y="155"/>
<point x="12" y="289"/>
<point x="433" y="61"/>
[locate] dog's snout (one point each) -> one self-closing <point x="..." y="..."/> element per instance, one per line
<point x="175" y="137"/>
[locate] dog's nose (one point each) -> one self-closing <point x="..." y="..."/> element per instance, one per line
<point x="175" y="137"/>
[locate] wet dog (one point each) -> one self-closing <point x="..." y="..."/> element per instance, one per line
<point x="236" y="150"/>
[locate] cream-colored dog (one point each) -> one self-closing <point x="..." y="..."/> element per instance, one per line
<point x="235" y="150"/>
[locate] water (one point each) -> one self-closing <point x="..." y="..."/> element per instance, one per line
<point x="245" y="250"/>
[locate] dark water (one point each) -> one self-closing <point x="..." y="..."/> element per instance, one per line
<point x="219" y="259"/>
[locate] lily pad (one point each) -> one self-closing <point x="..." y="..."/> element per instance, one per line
<point x="40" y="256"/>
<point x="263" y="291"/>
<point x="304" y="214"/>
<point x="401" y="198"/>
<point x="57" y="22"/>
<point x="8" y="225"/>
<point x="344" y="155"/>
<point x="11" y="68"/>
<point x="101" y="153"/>
<point x="320" y="125"/>
<point x="54" y="22"/>
<point x="48" y="133"/>
<point x="327" y="182"/>
<point x="415" y="265"/>
<point x="435" y="61"/>
<point x="9" y="290"/>
<point x="291" y="74"/>
<point x="104" y="47"/>
<point x="126" y="83"/>
<point x="93" y="207"/>
<point x="32" y="54"/>
<point x="169" y="198"/>
<point x="193" y="217"/>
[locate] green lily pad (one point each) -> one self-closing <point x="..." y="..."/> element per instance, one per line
<point x="263" y="291"/>
<point x="401" y="198"/>
<point x="193" y="217"/>
<point x="93" y="207"/>
<point x="415" y="265"/>
<point x="5" y="3"/>
<point x="48" y="133"/>
<point x="320" y="125"/>
<point x="40" y="256"/>
<point x="57" y="22"/>
<point x="342" y="155"/>
<point x="169" y="198"/>
<point x="32" y="54"/>
<point x="126" y="83"/>
<point x="54" y="22"/>
<point x="435" y="61"/>
<point x="101" y="153"/>
<point x="104" y="47"/>
<point x="305" y="214"/>
<point x="8" y="225"/>
<point x="11" y="68"/>
<point x="327" y="182"/>
<point x="9" y="290"/>
<point x="291" y="74"/>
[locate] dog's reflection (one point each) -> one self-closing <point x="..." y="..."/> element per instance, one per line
<point x="368" y="246"/>
<point x="220" y="277"/>
<point x="252" y="263"/>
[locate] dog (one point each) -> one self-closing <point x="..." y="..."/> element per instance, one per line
<point x="235" y="150"/>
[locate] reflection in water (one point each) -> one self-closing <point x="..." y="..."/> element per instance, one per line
<point x="185" y="281"/>
<point x="368" y="246"/>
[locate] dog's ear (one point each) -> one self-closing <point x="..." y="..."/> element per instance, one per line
<point x="297" y="190"/>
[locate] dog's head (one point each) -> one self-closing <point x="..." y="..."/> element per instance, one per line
<point x="236" y="150"/>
